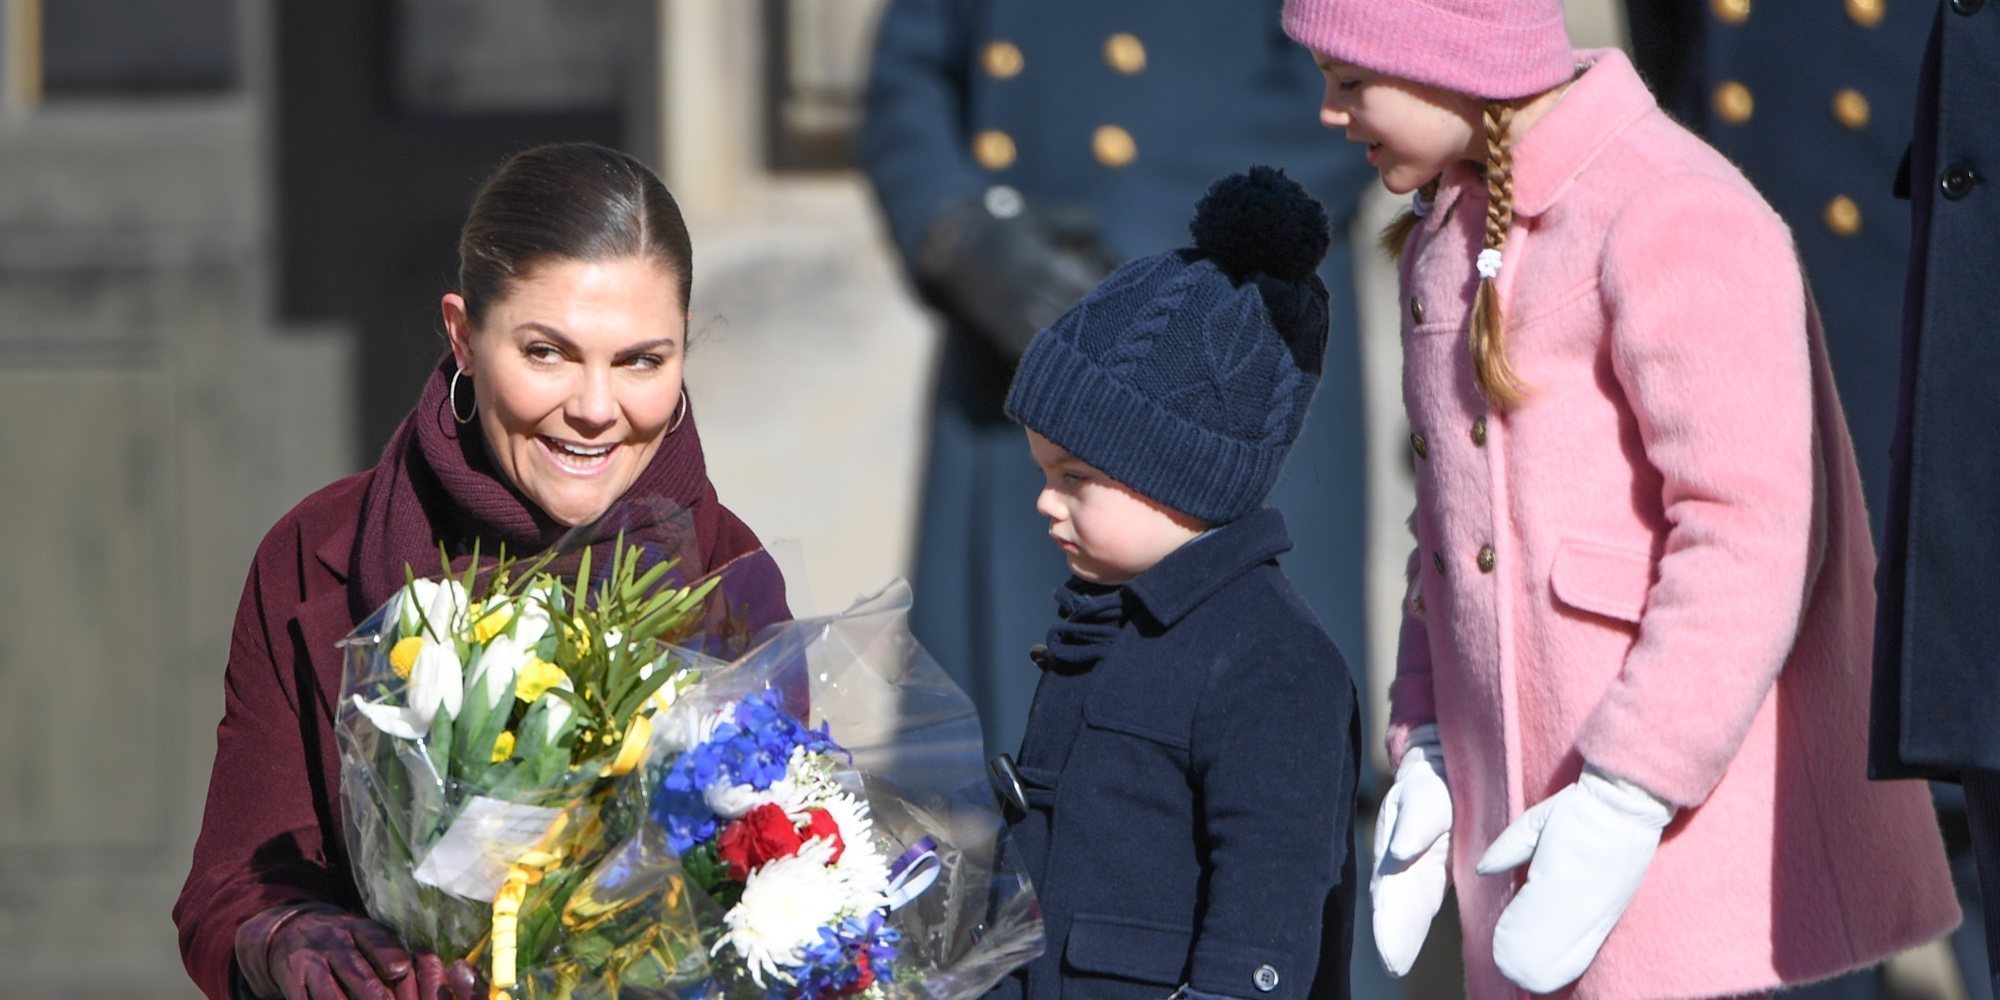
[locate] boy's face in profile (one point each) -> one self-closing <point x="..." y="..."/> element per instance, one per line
<point x="1109" y="533"/>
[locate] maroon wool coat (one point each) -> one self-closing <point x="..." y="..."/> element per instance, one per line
<point x="271" y="832"/>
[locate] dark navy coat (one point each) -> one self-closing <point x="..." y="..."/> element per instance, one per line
<point x="1192" y="791"/>
<point x="1118" y="114"/>
<point x="1937" y="641"/>
<point x="1814" y="102"/>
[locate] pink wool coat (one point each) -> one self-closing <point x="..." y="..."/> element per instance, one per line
<point x="1658" y="563"/>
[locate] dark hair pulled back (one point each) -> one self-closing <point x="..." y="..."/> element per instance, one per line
<point x="567" y="201"/>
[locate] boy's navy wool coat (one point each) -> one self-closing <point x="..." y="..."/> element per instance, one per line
<point x="1191" y="792"/>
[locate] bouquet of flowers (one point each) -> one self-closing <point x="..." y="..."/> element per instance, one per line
<point x="555" y="777"/>
<point x="490" y="728"/>
<point x="819" y="825"/>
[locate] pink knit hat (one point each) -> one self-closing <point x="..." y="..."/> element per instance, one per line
<point x="1495" y="49"/>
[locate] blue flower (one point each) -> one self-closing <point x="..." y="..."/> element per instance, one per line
<point x="832" y="966"/>
<point x="752" y="747"/>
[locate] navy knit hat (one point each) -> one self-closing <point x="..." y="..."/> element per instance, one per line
<point x="1185" y="375"/>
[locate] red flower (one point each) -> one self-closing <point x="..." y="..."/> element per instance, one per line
<point x="865" y="979"/>
<point x="764" y="834"/>
<point x="819" y="823"/>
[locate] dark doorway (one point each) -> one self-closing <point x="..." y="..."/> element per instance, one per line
<point x="388" y="115"/>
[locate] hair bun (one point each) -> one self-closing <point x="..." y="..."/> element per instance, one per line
<point x="1261" y="221"/>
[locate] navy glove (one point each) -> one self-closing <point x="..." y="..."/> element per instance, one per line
<point x="1006" y="270"/>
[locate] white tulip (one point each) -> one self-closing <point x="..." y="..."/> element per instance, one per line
<point x="498" y="664"/>
<point x="559" y="710"/>
<point x="445" y="611"/>
<point x="394" y="720"/>
<point x="437" y="681"/>
<point x="411" y="599"/>
<point x="531" y="618"/>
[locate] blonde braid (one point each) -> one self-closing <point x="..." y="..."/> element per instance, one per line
<point x="1396" y="235"/>
<point x="1485" y="333"/>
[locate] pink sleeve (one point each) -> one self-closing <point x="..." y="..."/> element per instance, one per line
<point x="1708" y="341"/>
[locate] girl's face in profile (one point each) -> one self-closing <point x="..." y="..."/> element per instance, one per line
<point x="578" y="375"/>
<point x="1413" y="130"/>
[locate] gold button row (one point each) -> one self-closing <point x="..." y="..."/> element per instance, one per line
<point x="1866" y="13"/>
<point x="1113" y="146"/>
<point x="1734" y="105"/>
<point x="1123" y="52"/>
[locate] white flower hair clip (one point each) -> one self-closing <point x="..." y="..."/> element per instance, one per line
<point x="1488" y="263"/>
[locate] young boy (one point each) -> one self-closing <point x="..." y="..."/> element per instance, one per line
<point x="1183" y="797"/>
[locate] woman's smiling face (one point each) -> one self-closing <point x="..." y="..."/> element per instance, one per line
<point x="577" y="370"/>
<point x="1413" y="130"/>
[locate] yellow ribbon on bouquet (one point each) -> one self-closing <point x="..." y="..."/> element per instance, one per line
<point x="526" y="870"/>
<point x="547" y="854"/>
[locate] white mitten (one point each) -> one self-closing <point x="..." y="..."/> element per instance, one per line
<point x="1591" y="843"/>
<point x="1412" y="848"/>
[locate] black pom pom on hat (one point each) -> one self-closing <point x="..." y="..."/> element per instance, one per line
<point x="1261" y="222"/>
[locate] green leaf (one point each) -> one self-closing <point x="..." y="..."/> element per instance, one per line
<point x="438" y="744"/>
<point x="468" y="757"/>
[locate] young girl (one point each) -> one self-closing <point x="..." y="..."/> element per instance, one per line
<point x="1630" y="708"/>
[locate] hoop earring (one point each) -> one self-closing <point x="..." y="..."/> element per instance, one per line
<point x="452" y="399"/>
<point x="682" y="413"/>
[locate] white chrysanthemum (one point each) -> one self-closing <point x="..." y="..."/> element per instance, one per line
<point x="732" y="801"/>
<point x="862" y="867"/>
<point x="784" y="905"/>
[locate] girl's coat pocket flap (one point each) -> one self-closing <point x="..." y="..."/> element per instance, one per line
<point x="1602" y="579"/>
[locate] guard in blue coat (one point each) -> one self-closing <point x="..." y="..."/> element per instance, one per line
<point x="1019" y="150"/>
<point x="1937" y="637"/>
<point x="1814" y="102"/>
<point x="1183" y="800"/>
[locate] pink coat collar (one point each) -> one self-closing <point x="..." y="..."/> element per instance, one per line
<point x="1602" y="103"/>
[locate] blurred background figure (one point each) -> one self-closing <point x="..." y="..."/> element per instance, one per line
<point x="1936" y="646"/>
<point x="1815" y="102"/>
<point x="1022" y="148"/>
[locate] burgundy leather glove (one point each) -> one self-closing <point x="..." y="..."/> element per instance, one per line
<point x="318" y="951"/>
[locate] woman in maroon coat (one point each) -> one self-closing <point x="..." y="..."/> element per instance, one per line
<point x="561" y="405"/>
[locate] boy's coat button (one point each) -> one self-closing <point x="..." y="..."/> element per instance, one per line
<point x="1266" y="979"/>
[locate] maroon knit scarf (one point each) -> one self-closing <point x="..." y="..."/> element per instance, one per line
<point x="435" y="483"/>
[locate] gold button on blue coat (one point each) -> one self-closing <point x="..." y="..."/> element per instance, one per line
<point x="1113" y="146"/>
<point x="1125" y="53"/>
<point x="1003" y="60"/>
<point x="993" y="149"/>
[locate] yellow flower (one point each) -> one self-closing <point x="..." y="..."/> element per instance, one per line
<point x="403" y="655"/>
<point x="536" y="678"/>
<point x="636" y="738"/>
<point x="503" y="746"/>
<point x="489" y="624"/>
